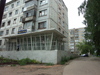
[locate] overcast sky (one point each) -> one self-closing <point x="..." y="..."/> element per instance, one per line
<point x="74" y="20"/>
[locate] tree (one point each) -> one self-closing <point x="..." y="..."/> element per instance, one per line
<point x="85" y="47"/>
<point x="91" y="12"/>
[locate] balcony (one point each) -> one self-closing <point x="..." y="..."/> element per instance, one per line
<point x="31" y="18"/>
<point x="33" y="6"/>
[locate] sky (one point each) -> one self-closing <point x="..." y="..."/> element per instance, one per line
<point x="74" y="20"/>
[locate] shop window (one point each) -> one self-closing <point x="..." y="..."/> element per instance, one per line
<point x="42" y="25"/>
<point x="43" y="13"/>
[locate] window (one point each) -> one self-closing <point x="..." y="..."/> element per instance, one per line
<point x="42" y="25"/>
<point x="1" y="33"/>
<point x="63" y="15"/>
<point x="28" y="25"/>
<point x="9" y="22"/>
<point x="4" y="16"/>
<point x="7" y="32"/>
<point x="23" y="1"/>
<point x="12" y="6"/>
<point x="63" y="32"/>
<point x="22" y="9"/>
<point x="3" y="24"/>
<point x="60" y="1"/>
<point x="59" y="20"/>
<point x="16" y="12"/>
<point x="43" y="13"/>
<point x="59" y="10"/>
<point x="10" y="14"/>
<point x="0" y="42"/>
<point x="28" y="14"/>
<point x="20" y="28"/>
<point x="21" y="19"/>
<point x="63" y="24"/>
<point x="13" y="30"/>
<point x="15" y="20"/>
<point x="42" y="2"/>
<point x="6" y="8"/>
<point x="18" y="3"/>
<point x="59" y="29"/>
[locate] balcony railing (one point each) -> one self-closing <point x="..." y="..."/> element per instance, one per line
<point x="31" y="18"/>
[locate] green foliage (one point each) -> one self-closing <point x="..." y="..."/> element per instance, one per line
<point x="71" y="58"/>
<point x="13" y="65"/>
<point x="49" y="64"/>
<point x="91" y="12"/>
<point x="27" y="61"/>
<point x="84" y="47"/>
<point x="65" y="59"/>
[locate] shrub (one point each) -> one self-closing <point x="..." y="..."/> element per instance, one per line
<point x="49" y="64"/>
<point x="71" y="57"/>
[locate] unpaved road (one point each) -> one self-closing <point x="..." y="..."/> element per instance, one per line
<point x="83" y="66"/>
<point x="79" y="66"/>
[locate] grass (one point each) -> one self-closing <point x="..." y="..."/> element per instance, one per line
<point x="49" y="64"/>
<point x="66" y="59"/>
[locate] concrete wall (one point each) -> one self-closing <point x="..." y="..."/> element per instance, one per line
<point x="39" y="55"/>
<point x="61" y="54"/>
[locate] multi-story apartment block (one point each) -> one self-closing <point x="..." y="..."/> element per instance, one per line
<point x="34" y="25"/>
<point x="75" y="36"/>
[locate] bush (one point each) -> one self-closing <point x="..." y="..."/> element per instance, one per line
<point x="27" y="61"/>
<point x="71" y="57"/>
<point x="49" y="64"/>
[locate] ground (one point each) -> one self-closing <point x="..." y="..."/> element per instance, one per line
<point x="79" y="66"/>
<point x="83" y="66"/>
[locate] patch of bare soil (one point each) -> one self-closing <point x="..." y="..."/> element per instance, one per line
<point x="32" y="70"/>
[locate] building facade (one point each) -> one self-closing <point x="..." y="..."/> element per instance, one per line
<point x="75" y="36"/>
<point x="34" y="25"/>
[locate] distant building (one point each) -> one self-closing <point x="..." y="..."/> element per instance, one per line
<point x="34" y="25"/>
<point x="75" y="36"/>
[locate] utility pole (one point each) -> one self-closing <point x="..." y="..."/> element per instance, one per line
<point x="2" y="5"/>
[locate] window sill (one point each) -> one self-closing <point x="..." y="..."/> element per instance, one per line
<point x="43" y="16"/>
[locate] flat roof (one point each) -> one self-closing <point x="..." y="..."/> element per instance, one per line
<point x="44" y="31"/>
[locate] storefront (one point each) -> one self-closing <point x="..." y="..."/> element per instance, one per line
<point x="45" y="40"/>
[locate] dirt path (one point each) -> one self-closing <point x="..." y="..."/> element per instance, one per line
<point x="32" y="70"/>
<point x="83" y="66"/>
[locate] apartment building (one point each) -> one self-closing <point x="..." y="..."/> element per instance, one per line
<point x="34" y="25"/>
<point x="75" y="36"/>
